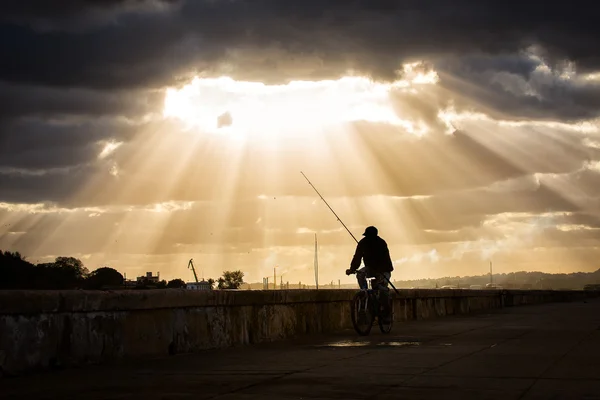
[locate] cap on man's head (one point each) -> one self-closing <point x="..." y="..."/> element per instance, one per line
<point x="370" y="231"/>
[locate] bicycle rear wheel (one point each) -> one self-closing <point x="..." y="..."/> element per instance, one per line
<point x="386" y="326"/>
<point x="361" y="313"/>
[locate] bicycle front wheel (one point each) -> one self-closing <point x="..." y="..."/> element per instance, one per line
<point x="361" y="313"/>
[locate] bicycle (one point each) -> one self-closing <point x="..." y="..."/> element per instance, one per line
<point x="365" y="306"/>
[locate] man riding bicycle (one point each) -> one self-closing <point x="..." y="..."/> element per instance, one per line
<point x="374" y="252"/>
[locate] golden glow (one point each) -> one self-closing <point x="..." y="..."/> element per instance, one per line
<point x="592" y="77"/>
<point x="170" y="206"/>
<point x="573" y="227"/>
<point x="114" y="170"/>
<point x="109" y="148"/>
<point x="451" y="116"/>
<point x="253" y="108"/>
<point x="43" y="208"/>
<point x="416" y="74"/>
<point x="231" y="211"/>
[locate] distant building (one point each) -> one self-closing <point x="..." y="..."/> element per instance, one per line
<point x="202" y="285"/>
<point x="148" y="279"/>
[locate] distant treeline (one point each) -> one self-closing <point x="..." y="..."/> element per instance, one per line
<point x="63" y="273"/>
<point x="518" y="280"/>
<point x="70" y="273"/>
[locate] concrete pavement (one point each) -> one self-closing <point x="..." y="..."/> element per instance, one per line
<point x="549" y="351"/>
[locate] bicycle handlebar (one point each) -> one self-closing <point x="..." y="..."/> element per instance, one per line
<point x="348" y="272"/>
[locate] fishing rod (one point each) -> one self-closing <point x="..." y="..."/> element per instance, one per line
<point x="341" y="222"/>
<point x="327" y="204"/>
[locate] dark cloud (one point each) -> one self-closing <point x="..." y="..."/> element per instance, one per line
<point x="65" y="14"/>
<point x="521" y="87"/>
<point x="48" y="129"/>
<point x="49" y="186"/>
<point x="39" y="144"/>
<point x="370" y="36"/>
<point x="41" y="8"/>
<point x="121" y="57"/>
<point x="42" y="102"/>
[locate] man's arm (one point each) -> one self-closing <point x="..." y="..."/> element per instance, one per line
<point x="358" y="255"/>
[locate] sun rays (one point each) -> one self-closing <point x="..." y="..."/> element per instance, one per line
<point x="216" y="178"/>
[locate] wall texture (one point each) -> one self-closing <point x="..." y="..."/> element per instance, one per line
<point x="47" y="329"/>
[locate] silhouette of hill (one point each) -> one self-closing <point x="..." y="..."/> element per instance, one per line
<point x="515" y="280"/>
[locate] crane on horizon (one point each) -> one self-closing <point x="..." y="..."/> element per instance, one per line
<point x="191" y="263"/>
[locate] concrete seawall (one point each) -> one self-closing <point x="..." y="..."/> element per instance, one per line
<point x="49" y="329"/>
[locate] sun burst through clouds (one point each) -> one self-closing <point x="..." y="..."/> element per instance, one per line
<point x="260" y="110"/>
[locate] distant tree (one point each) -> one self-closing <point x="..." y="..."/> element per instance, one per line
<point x="14" y="255"/>
<point x="231" y="280"/>
<point x="67" y="272"/>
<point x="104" y="276"/>
<point x="211" y="282"/>
<point x="72" y="264"/>
<point x="176" y="284"/>
<point x="15" y="272"/>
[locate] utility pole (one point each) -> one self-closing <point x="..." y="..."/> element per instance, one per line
<point x="274" y="278"/>
<point x="316" y="265"/>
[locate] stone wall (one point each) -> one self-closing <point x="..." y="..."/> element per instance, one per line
<point x="49" y="329"/>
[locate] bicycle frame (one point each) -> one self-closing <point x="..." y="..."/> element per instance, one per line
<point x="369" y="302"/>
<point x="374" y="294"/>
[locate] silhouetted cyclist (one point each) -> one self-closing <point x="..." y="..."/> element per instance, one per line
<point x="374" y="252"/>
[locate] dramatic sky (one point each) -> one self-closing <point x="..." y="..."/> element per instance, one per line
<point x="141" y="133"/>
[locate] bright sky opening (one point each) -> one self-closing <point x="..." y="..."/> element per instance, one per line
<point x="298" y="107"/>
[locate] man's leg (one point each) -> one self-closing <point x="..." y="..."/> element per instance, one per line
<point x="384" y="294"/>
<point x="361" y="277"/>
